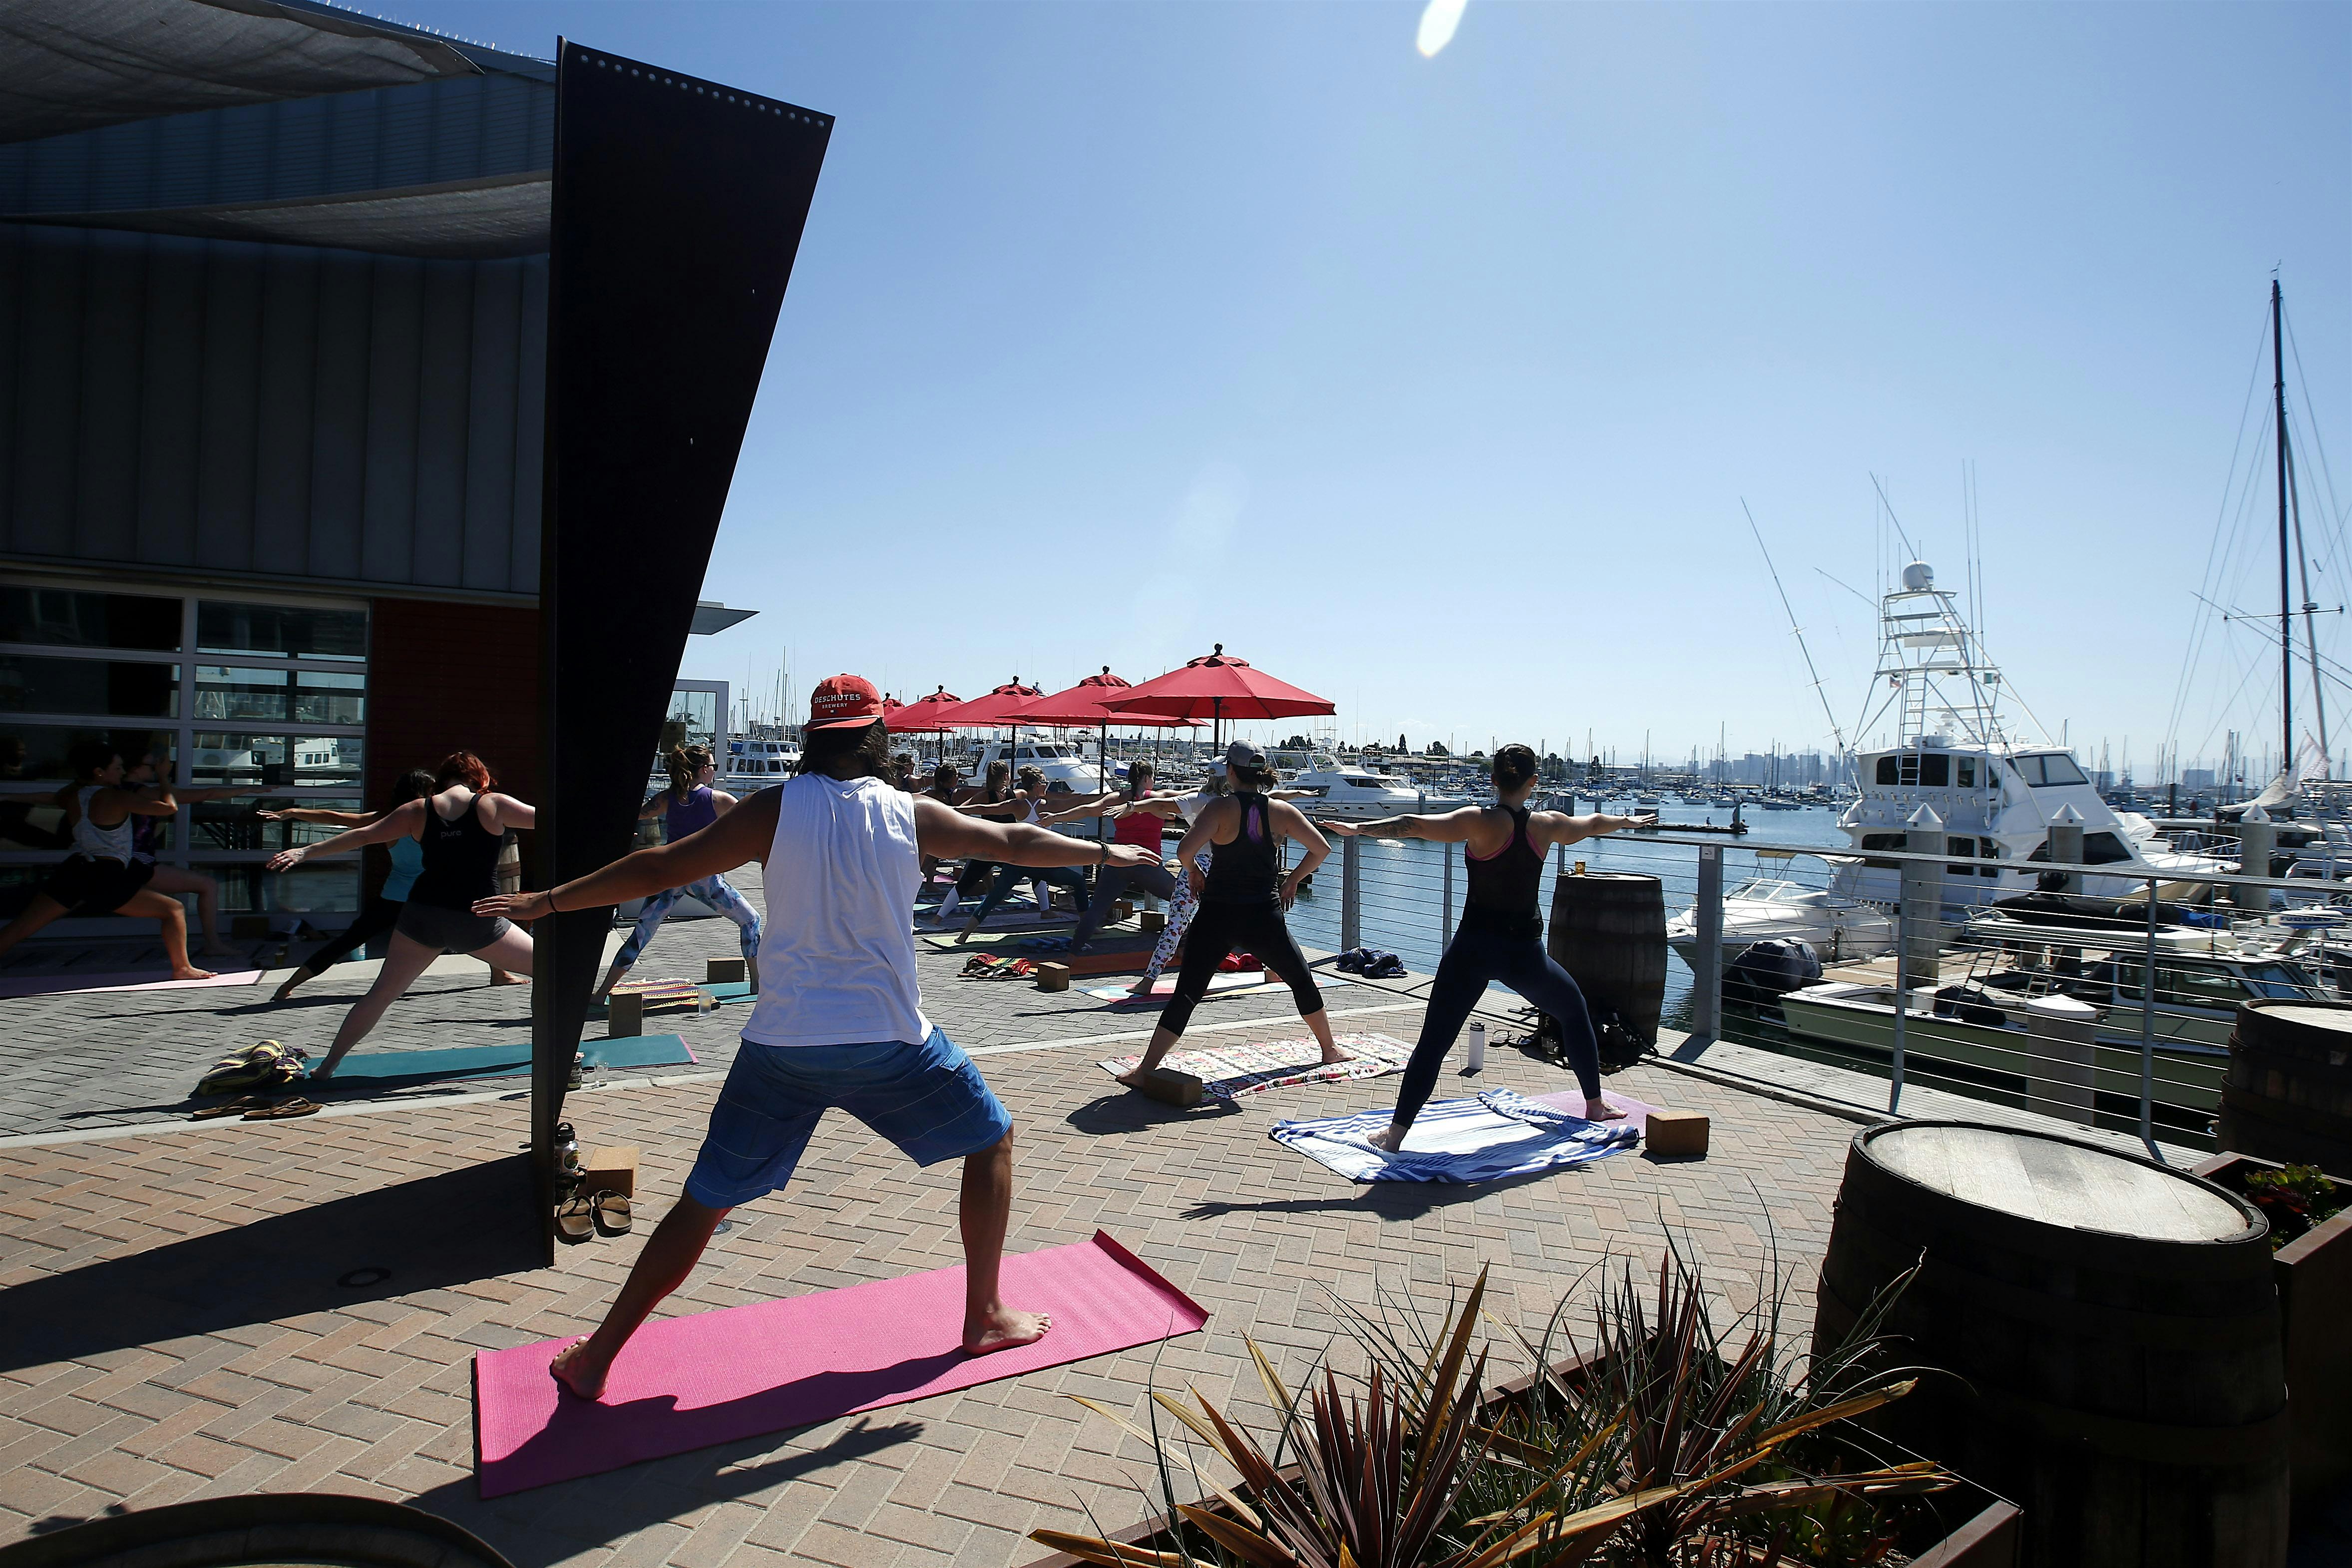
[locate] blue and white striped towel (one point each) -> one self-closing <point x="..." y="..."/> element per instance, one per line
<point x="1495" y="1135"/>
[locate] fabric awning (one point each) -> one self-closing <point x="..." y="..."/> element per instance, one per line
<point x="460" y="220"/>
<point x="77" y="65"/>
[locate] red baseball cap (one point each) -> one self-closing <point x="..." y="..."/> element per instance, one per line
<point x="841" y="701"/>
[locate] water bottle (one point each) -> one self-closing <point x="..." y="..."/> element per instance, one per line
<point x="1477" y="1047"/>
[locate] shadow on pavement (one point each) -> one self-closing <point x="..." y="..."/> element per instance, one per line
<point x="1389" y="1200"/>
<point x="550" y="1524"/>
<point x="1128" y="1111"/>
<point x="435" y="1231"/>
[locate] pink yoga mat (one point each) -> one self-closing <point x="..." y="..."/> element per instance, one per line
<point x="125" y="980"/>
<point x="742" y="1372"/>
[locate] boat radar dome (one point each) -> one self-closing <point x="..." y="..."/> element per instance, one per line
<point x="1918" y="577"/>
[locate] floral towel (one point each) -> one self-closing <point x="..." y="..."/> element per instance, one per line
<point x="1229" y="1072"/>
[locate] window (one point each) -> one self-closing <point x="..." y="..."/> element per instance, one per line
<point x="37" y="753"/>
<point x="1935" y="770"/>
<point x="1968" y="771"/>
<point x="2279" y="981"/>
<point x="287" y="631"/>
<point x="1883" y="840"/>
<point x="2048" y="770"/>
<point x="1887" y="770"/>
<point x="61" y="617"/>
<point x="280" y="696"/>
<point x="31" y="685"/>
<point x="2198" y="988"/>
<point x="2103" y="849"/>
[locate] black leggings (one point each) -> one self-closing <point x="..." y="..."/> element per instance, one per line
<point x="1475" y="960"/>
<point x="375" y="917"/>
<point x="1216" y="931"/>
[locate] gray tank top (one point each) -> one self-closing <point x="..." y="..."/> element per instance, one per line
<point x="100" y="842"/>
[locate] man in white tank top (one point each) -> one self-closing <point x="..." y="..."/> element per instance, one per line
<point x="839" y="1021"/>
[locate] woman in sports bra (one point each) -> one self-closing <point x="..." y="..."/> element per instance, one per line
<point x="1500" y="935"/>
<point x="1241" y="898"/>
<point x="457" y="829"/>
<point x="382" y="912"/>
<point x="688" y="806"/>
<point x="104" y="876"/>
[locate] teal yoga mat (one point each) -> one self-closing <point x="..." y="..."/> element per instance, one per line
<point x="511" y="1060"/>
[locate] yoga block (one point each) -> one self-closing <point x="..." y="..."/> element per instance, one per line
<point x="1122" y="910"/>
<point x="724" y="971"/>
<point x="1675" y="1132"/>
<point x="1180" y="1089"/>
<point x="1154" y="921"/>
<point x="613" y="1170"/>
<point x="1053" y="977"/>
<point x="625" y="1015"/>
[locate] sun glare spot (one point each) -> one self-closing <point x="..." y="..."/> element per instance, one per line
<point x="1437" y="25"/>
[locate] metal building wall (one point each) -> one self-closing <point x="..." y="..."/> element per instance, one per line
<point x="278" y="412"/>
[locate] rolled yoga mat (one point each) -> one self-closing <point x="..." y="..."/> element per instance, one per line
<point x="500" y="1061"/>
<point x="743" y="1372"/>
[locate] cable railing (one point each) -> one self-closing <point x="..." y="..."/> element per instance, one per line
<point x="2110" y="1008"/>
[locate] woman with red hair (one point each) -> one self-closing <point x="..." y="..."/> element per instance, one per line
<point x="457" y="827"/>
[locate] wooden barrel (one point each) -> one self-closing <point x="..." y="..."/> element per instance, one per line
<point x="1609" y="931"/>
<point x="2110" y="1332"/>
<point x="2287" y="1095"/>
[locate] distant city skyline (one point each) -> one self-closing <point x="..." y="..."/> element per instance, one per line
<point x="1436" y="385"/>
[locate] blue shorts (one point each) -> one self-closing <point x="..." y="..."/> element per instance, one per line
<point x="929" y="1099"/>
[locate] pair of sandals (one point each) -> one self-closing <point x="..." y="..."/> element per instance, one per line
<point x="584" y="1214"/>
<point x="253" y="1107"/>
<point x="980" y="966"/>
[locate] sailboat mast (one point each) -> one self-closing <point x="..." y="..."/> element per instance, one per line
<point x="2286" y="617"/>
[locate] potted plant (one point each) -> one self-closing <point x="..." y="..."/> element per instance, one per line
<point x="2311" y="1223"/>
<point x="1660" y="1445"/>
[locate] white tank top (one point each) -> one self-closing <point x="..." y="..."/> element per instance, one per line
<point x="837" y="948"/>
<point x="100" y="842"/>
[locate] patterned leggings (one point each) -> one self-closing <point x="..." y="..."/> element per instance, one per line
<point x="711" y="891"/>
<point x="1181" y="906"/>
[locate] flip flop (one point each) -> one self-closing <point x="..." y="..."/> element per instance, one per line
<point x="612" y="1214"/>
<point x="237" y="1107"/>
<point x="574" y="1219"/>
<point x="284" y="1110"/>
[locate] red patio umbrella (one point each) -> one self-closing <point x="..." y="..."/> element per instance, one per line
<point x="1084" y="705"/>
<point x="988" y="712"/>
<point x="1216" y="687"/>
<point x="921" y="717"/>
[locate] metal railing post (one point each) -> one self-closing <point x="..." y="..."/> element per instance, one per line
<point x="1351" y="892"/>
<point x="1706" y="970"/>
<point x="2148" y="1034"/>
<point x="1445" y="904"/>
<point x="1901" y="991"/>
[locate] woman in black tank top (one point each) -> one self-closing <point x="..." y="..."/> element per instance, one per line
<point x="1243" y="899"/>
<point x="1501" y="933"/>
<point x="460" y="828"/>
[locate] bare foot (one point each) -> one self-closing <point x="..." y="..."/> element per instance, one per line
<point x="580" y="1371"/>
<point x="1334" y="1056"/>
<point x="1388" y="1138"/>
<point x="500" y="977"/>
<point x="1602" y="1110"/>
<point x="1003" y="1328"/>
<point x="190" y="971"/>
<point x="286" y="990"/>
<point x="965" y="935"/>
<point x="1132" y="1079"/>
<point x="1140" y="988"/>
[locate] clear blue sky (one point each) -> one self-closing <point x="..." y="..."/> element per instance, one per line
<point x="1435" y="384"/>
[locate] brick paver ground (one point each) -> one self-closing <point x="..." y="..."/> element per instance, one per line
<point x="196" y="1310"/>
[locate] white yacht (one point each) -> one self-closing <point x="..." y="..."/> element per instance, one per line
<point x="1349" y="792"/>
<point x="1773" y="906"/>
<point x="1993" y="798"/>
<point x="754" y="764"/>
<point x="1065" y="766"/>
